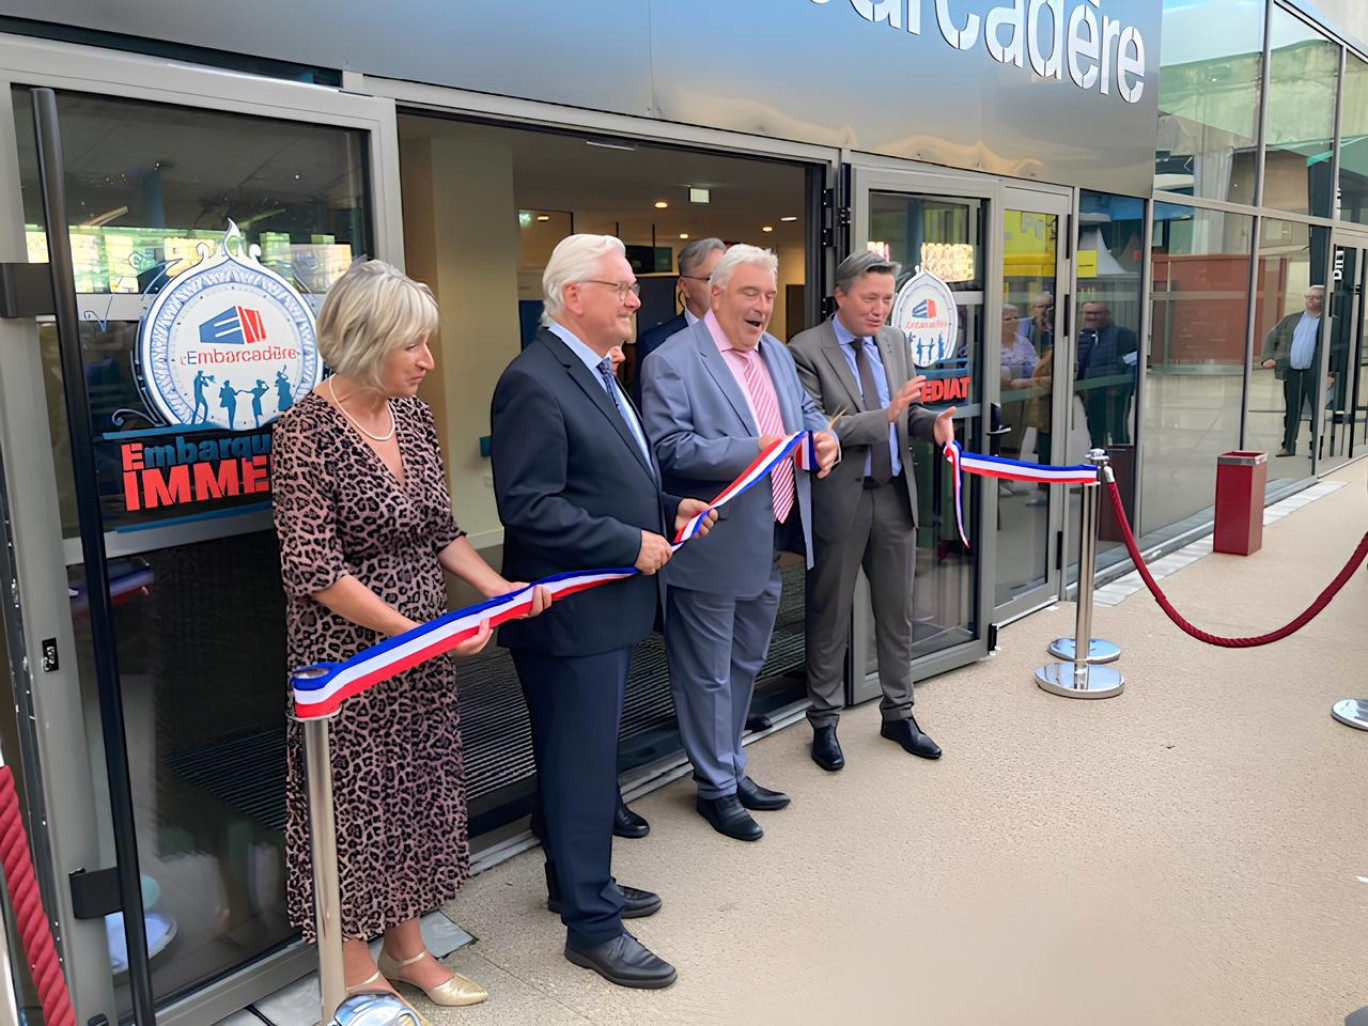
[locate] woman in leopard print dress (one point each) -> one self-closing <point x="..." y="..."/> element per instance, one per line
<point x="366" y="529"/>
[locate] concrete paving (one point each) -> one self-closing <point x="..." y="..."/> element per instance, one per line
<point x="1192" y="851"/>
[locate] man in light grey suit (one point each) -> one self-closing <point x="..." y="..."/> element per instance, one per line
<point x="714" y="397"/>
<point x="865" y="512"/>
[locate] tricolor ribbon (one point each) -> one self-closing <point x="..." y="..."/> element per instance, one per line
<point x="1000" y="467"/>
<point x="319" y="690"/>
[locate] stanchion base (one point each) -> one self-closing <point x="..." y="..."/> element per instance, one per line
<point x="1080" y="682"/>
<point x="1352" y="712"/>
<point x="1098" y="652"/>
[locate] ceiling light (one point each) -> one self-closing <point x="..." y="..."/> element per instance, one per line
<point x="683" y="235"/>
<point x="543" y="217"/>
<point x="767" y="228"/>
<point x="661" y="204"/>
<point x="699" y="195"/>
<point x="629" y="147"/>
<point x="788" y="218"/>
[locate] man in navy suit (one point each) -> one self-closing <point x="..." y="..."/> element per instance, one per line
<point x="715" y="396"/>
<point x="696" y="263"/>
<point x="578" y="489"/>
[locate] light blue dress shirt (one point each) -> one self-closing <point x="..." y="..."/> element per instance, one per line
<point x="591" y="360"/>
<point x="1303" y="342"/>
<point x="876" y="368"/>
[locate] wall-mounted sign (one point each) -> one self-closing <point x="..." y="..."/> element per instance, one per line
<point x="228" y="344"/>
<point x="1099" y="52"/>
<point x="925" y="311"/>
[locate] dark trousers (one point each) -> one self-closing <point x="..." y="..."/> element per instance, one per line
<point x="575" y="705"/>
<point x="1298" y="387"/>
<point x="1108" y="414"/>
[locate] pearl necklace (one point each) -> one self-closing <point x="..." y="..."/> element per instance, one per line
<point x="378" y="438"/>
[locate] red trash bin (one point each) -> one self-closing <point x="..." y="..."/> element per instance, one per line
<point x="1240" y="481"/>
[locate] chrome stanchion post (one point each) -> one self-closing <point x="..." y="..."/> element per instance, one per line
<point x="1082" y="678"/>
<point x="1352" y="712"/>
<point x="1099" y="650"/>
<point x="323" y="852"/>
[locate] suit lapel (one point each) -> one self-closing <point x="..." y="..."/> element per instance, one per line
<point x="831" y="349"/>
<point x="584" y="378"/>
<point x="722" y="375"/>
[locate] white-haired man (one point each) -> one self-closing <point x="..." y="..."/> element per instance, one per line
<point x="714" y="397"/>
<point x="578" y="489"/>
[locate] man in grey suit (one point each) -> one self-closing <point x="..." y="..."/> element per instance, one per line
<point x="714" y="397"/>
<point x="865" y="512"/>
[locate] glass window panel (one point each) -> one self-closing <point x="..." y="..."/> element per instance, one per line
<point x="1194" y="377"/>
<point x="1303" y="79"/>
<point x="944" y="236"/>
<point x="1353" y="172"/>
<point x="204" y="708"/>
<point x="1106" y="354"/>
<point x="1292" y="258"/>
<point x="1209" y="85"/>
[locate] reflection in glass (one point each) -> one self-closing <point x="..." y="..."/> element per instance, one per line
<point x="1194" y="380"/>
<point x="1353" y="172"/>
<point x="947" y="233"/>
<point x="1106" y="350"/>
<point x="1303" y="79"/>
<point x="1030" y="242"/>
<point x="1292" y="259"/>
<point x="1209" y="98"/>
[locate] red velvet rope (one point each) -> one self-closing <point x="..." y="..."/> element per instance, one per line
<point x="28" y="909"/>
<point x="1322" y="600"/>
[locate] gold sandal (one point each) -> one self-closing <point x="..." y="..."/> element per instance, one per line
<point x="455" y="992"/>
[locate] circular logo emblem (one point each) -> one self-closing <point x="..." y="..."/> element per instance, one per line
<point x="227" y="344"/>
<point x="926" y="313"/>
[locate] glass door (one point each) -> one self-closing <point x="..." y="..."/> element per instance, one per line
<point x="1340" y="421"/>
<point x="204" y="235"/>
<point x="1029" y="517"/>
<point x="945" y="226"/>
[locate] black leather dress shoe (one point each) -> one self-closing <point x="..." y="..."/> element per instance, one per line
<point x="727" y="816"/>
<point x="624" y="960"/>
<point x="909" y="735"/>
<point x="757" y="798"/>
<point x="627" y="823"/>
<point x="636" y="903"/>
<point x="826" y="750"/>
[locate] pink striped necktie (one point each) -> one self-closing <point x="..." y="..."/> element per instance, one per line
<point x="771" y="423"/>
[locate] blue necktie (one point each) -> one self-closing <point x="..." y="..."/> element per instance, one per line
<point x="605" y="369"/>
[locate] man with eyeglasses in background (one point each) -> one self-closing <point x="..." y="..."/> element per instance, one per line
<point x="696" y="263"/>
<point x="578" y="489"/>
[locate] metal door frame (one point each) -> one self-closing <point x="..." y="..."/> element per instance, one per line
<point x="871" y="175"/>
<point x="1344" y="239"/>
<point x="1059" y="202"/>
<point x="61" y="792"/>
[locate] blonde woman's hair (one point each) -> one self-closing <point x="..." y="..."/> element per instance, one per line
<point x="372" y="309"/>
<point x="575" y="258"/>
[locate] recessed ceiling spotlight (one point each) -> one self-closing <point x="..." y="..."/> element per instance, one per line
<point x="683" y="235"/>
<point x="661" y="204"/>
<point x="543" y="217"/>
<point x="767" y="228"/>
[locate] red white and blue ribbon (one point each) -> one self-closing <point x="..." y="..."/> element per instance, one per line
<point x="1000" y="467"/>
<point x="320" y="690"/>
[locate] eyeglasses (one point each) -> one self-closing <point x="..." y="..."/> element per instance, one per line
<point x="694" y="277"/>
<point x="622" y="287"/>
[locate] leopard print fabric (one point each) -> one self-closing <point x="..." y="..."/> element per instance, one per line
<point x="398" y="773"/>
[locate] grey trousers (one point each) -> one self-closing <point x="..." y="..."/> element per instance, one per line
<point x="881" y="538"/>
<point x="716" y="645"/>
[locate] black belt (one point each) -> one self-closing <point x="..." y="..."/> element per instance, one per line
<point x="870" y="484"/>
